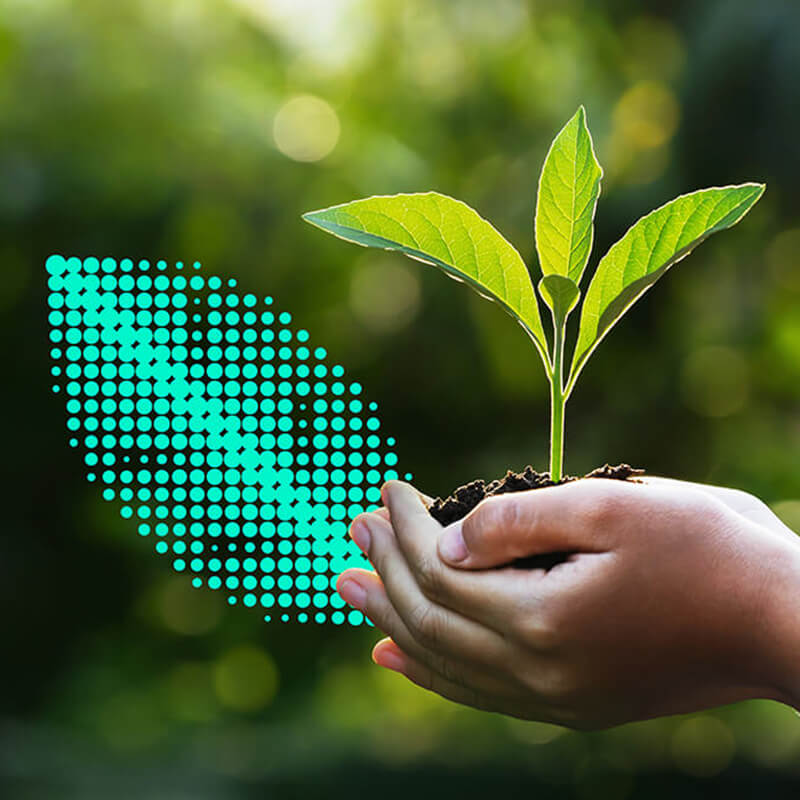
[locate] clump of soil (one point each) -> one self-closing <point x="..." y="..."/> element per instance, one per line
<point x="466" y="497"/>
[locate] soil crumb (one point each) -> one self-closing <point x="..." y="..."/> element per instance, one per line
<point x="466" y="497"/>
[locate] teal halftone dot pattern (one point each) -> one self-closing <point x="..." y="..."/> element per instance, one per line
<point x="221" y="431"/>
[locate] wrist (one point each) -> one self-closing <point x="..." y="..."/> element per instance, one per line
<point x="781" y="623"/>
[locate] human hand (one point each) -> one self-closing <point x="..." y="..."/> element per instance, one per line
<point x="672" y="597"/>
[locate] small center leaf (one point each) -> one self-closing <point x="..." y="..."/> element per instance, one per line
<point x="560" y="294"/>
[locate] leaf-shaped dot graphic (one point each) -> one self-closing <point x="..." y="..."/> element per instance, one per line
<point x="219" y="429"/>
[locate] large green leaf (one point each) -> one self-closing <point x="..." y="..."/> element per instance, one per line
<point x="649" y="248"/>
<point x="568" y="190"/>
<point x="447" y="233"/>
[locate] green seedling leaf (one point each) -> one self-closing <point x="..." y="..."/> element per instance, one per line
<point x="560" y="294"/>
<point x="649" y="248"/>
<point x="568" y="190"/>
<point x="448" y="234"/>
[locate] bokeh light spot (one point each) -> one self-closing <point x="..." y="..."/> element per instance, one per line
<point x="306" y="128"/>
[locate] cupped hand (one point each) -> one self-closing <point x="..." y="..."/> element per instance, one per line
<point x="668" y="597"/>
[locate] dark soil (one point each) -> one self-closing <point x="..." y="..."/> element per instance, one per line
<point x="466" y="497"/>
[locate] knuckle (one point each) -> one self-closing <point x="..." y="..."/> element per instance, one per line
<point x="559" y="687"/>
<point x="380" y="553"/>
<point x="741" y="498"/>
<point x="450" y="671"/>
<point x="496" y="513"/>
<point x="425" y="624"/>
<point x="362" y="519"/>
<point x="541" y="631"/>
<point x="429" y="576"/>
<point x="562" y="688"/>
<point x="603" y="510"/>
<point x="379" y="556"/>
<point x="523" y="668"/>
<point x="698" y="504"/>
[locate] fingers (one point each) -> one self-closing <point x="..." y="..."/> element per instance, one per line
<point x="573" y="517"/>
<point x="387" y="654"/>
<point x="490" y="598"/>
<point x="364" y="590"/>
<point x="433" y="627"/>
<point x="427" y="500"/>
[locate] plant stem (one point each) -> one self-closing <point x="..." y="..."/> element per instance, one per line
<point x="557" y="403"/>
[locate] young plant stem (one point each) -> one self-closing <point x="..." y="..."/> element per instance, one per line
<point x="557" y="402"/>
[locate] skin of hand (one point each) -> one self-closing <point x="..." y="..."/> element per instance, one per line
<point x="673" y="597"/>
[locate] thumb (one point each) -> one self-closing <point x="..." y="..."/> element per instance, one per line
<point x="504" y="528"/>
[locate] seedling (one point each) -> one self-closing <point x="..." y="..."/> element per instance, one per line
<point x="448" y="234"/>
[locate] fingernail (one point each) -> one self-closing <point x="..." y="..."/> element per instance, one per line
<point x="390" y="659"/>
<point x="452" y="546"/>
<point x="353" y="593"/>
<point x="359" y="532"/>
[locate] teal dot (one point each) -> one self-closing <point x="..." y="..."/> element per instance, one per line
<point x="284" y="582"/>
<point x="355" y="617"/>
<point x="56" y="265"/>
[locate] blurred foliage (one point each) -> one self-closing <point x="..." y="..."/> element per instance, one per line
<point x="200" y="129"/>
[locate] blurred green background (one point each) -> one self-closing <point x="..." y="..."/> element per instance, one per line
<point x="201" y="129"/>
